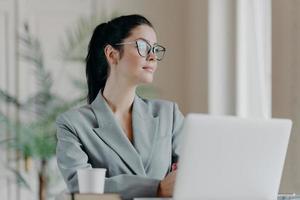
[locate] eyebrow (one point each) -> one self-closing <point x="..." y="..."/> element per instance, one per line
<point x="147" y="41"/>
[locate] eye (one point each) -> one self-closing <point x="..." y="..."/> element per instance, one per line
<point x="142" y="45"/>
<point x="158" y="49"/>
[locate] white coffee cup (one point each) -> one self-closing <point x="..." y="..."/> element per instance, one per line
<point x="91" y="180"/>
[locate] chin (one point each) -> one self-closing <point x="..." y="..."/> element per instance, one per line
<point x="145" y="80"/>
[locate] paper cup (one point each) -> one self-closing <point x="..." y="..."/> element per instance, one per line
<point x="91" y="180"/>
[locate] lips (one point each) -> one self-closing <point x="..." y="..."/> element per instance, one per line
<point x="149" y="69"/>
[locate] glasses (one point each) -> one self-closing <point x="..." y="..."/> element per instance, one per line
<point x="144" y="48"/>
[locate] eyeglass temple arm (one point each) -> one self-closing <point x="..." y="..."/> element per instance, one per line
<point x="121" y="43"/>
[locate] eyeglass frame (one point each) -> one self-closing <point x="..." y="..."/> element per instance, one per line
<point x="150" y="50"/>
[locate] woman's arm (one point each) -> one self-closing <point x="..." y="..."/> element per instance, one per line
<point x="178" y="119"/>
<point x="132" y="186"/>
<point x="166" y="186"/>
<point x="69" y="153"/>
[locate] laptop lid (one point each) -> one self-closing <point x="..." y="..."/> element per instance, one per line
<point x="226" y="157"/>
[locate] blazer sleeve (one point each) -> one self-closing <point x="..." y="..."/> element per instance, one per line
<point x="131" y="186"/>
<point x="71" y="156"/>
<point x="178" y="119"/>
<point x="69" y="153"/>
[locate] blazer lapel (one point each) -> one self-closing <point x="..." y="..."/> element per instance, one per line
<point x="111" y="133"/>
<point x="145" y="127"/>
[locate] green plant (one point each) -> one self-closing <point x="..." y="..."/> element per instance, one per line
<point x="35" y="136"/>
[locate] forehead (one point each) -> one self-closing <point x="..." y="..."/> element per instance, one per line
<point x="143" y="31"/>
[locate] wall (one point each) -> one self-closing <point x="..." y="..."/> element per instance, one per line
<point x="8" y="75"/>
<point x="196" y="47"/>
<point x="286" y="82"/>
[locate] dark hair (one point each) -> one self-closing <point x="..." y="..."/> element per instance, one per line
<point x="112" y="32"/>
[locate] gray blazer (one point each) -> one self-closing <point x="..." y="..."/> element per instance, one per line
<point x="91" y="137"/>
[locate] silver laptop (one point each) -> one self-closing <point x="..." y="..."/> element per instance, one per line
<point x="225" y="157"/>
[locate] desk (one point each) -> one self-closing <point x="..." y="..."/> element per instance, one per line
<point x="280" y="197"/>
<point x="153" y="198"/>
<point x="66" y="196"/>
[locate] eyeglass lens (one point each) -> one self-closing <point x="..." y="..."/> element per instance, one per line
<point x="144" y="49"/>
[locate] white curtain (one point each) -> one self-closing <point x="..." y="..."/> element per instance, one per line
<point x="240" y="57"/>
<point x="254" y="58"/>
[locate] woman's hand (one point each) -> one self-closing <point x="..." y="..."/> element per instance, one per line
<point x="166" y="186"/>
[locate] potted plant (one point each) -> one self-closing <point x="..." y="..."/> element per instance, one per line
<point x="35" y="136"/>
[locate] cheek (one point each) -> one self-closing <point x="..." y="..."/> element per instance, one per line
<point x="133" y="63"/>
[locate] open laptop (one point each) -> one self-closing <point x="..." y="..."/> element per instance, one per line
<point x="225" y="157"/>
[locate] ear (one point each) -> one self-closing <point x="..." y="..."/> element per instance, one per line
<point x="112" y="55"/>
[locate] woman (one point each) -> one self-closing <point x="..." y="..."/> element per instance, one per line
<point x="135" y="139"/>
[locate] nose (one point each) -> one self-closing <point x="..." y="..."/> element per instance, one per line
<point x="151" y="56"/>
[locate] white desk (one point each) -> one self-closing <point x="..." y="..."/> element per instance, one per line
<point x="153" y="198"/>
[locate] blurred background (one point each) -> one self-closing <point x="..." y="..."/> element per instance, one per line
<point x="227" y="57"/>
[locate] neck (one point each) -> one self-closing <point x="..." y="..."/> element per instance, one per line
<point x="119" y="96"/>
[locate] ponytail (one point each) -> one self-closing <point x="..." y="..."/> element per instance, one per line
<point x="96" y="63"/>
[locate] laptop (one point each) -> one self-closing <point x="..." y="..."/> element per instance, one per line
<point x="226" y="157"/>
